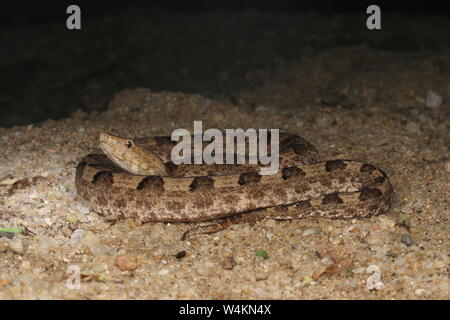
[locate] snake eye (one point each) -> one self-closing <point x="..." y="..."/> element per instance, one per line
<point x="129" y="143"/>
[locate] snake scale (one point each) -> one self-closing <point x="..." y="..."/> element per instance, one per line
<point x="303" y="187"/>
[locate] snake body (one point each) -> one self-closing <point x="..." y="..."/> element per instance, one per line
<point x="303" y="187"/>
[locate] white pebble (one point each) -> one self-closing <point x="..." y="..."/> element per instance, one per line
<point x="419" y="292"/>
<point x="310" y="231"/>
<point x="433" y="100"/>
<point x="163" y="272"/>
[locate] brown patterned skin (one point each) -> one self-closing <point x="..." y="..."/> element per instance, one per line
<point x="303" y="187"/>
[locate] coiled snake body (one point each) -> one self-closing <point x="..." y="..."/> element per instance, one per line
<point x="161" y="191"/>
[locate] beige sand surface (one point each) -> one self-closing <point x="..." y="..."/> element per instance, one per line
<point x="365" y="105"/>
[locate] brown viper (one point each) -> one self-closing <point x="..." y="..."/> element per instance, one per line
<point x="158" y="190"/>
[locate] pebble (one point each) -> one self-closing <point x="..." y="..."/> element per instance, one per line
<point x="4" y="282"/>
<point x="126" y="262"/>
<point x="100" y="249"/>
<point x="389" y="223"/>
<point x="406" y="239"/>
<point x="269" y="235"/>
<point x="76" y="236"/>
<point x="270" y="223"/>
<point x="3" y="245"/>
<point x="16" y="246"/>
<point x="163" y="272"/>
<point x="447" y="166"/>
<point x="310" y="231"/>
<point x="412" y="127"/>
<point x="228" y="263"/>
<point x="433" y="100"/>
<point x="26" y="265"/>
<point x="419" y="292"/>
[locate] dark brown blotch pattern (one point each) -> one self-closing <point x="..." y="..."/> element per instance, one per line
<point x="292" y="172"/>
<point x="165" y="140"/>
<point x="103" y="177"/>
<point x="155" y="183"/>
<point x="380" y="179"/>
<point x="170" y="166"/>
<point x="332" y="198"/>
<point x="201" y="183"/>
<point x="369" y="193"/>
<point x="301" y="205"/>
<point x="367" y="168"/>
<point x="300" y="148"/>
<point x="334" y="165"/>
<point x="290" y="142"/>
<point x="249" y="177"/>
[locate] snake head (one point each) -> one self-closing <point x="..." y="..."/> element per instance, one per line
<point x="131" y="157"/>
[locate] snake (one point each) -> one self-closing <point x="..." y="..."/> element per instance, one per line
<point x="136" y="178"/>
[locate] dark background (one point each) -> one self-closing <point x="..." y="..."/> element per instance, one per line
<point x="48" y="71"/>
<point x="24" y="12"/>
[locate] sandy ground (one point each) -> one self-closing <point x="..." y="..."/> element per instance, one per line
<point x="380" y="97"/>
<point x="351" y="103"/>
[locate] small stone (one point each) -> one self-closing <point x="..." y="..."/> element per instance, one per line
<point x="3" y="245"/>
<point x="100" y="249"/>
<point x="89" y="238"/>
<point x="4" y="282"/>
<point x="269" y="235"/>
<point x="126" y="262"/>
<point x="419" y="292"/>
<point x="270" y="223"/>
<point x="76" y="236"/>
<point x="412" y="127"/>
<point x="16" y="246"/>
<point x="163" y="272"/>
<point x="389" y="223"/>
<point x="26" y="265"/>
<point x="228" y="263"/>
<point x="231" y="234"/>
<point x="406" y="239"/>
<point x="447" y="166"/>
<point x="310" y="231"/>
<point x="433" y="100"/>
